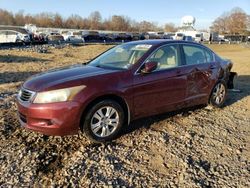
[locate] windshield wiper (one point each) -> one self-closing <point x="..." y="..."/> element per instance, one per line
<point x="85" y="63"/>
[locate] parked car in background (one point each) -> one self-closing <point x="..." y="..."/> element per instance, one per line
<point x="39" y="38"/>
<point x="179" y="36"/>
<point x="206" y="36"/>
<point x="122" y="36"/>
<point x="64" y="34"/>
<point x="160" y="34"/>
<point x="73" y="36"/>
<point x="107" y="37"/>
<point x="188" y="38"/>
<point x="91" y="36"/>
<point x="151" y="35"/>
<point x="136" y="36"/>
<point x="54" y="37"/>
<point x="44" y="36"/>
<point x="130" y="81"/>
<point x="15" y="35"/>
<point x="198" y="37"/>
<point x="168" y="36"/>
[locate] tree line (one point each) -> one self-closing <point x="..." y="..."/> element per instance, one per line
<point x="93" y="22"/>
<point x="234" y="22"/>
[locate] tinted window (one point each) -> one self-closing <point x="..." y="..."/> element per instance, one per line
<point x="194" y="55"/>
<point x="11" y="33"/>
<point x="3" y="32"/>
<point x="167" y="57"/>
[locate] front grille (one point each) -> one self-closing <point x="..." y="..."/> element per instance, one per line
<point x="25" y="95"/>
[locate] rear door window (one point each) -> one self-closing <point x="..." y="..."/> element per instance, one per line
<point x="194" y="55"/>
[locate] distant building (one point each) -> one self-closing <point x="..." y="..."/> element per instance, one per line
<point x="187" y="28"/>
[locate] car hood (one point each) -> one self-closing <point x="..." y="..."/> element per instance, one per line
<point x="57" y="78"/>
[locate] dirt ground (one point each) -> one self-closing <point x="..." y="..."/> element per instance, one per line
<point x="200" y="147"/>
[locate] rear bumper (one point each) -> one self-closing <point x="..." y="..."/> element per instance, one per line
<point x="50" y="119"/>
<point x="230" y="82"/>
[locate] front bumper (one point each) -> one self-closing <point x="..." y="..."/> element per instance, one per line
<point x="57" y="119"/>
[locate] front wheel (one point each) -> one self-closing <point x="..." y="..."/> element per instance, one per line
<point x="103" y="121"/>
<point x="218" y="95"/>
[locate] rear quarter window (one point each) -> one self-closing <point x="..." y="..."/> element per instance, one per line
<point x="209" y="55"/>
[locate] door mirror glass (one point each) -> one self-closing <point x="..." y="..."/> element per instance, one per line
<point x="149" y="67"/>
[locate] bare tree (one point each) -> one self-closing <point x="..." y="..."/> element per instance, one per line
<point x="170" y="27"/>
<point x="248" y="24"/>
<point x="233" y="22"/>
<point x="74" y="21"/>
<point x="237" y="22"/>
<point x="20" y="18"/>
<point x="147" y="26"/>
<point x="95" y="19"/>
<point x="220" y="25"/>
<point x="119" y="23"/>
<point x="7" y="18"/>
<point x="58" y="21"/>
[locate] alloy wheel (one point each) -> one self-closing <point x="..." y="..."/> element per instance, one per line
<point x="219" y="93"/>
<point x="104" y="121"/>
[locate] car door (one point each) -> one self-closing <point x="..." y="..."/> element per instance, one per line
<point x="11" y="36"/>
<point x="199" y="68"/>
<point x="163" y="89"/>
<point x="3" y="36"/>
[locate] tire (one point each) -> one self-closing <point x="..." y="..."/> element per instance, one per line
<point x="97" y="123"/>
<point x="218" y="94"/>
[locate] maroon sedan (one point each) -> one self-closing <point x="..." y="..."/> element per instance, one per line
<point x="129" y="81"/>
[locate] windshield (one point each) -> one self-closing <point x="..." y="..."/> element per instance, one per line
<point x="121" y="57"/>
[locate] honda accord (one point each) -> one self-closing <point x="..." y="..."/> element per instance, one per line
<point x="130" y="81"/>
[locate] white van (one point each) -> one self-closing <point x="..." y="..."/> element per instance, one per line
<point x="179" y="36"/>
<point x="198" y="37"/>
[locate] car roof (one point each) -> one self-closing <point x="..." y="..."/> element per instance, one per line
<point x="16" y="29"/>
<point x="159" y="42"/>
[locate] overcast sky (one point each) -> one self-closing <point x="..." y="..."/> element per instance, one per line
<point x="160" y="11"/>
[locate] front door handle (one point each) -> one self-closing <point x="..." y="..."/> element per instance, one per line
<point x="178" y="72"/>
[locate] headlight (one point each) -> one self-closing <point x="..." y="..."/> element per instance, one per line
<point x="59" y="95"/>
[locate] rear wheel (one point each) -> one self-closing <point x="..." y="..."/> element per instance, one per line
<point x="218" y="95"/>
<point x="103" y="121"/>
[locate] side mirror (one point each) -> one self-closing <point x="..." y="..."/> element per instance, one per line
<point x="149" y="67"/>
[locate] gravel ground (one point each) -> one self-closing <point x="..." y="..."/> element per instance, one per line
<point x="198" y="147"/>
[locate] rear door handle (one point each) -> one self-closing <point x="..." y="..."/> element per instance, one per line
<point x="212" y="67"/>
<point x="196" y="69"/>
